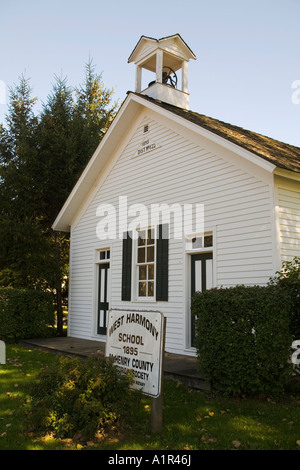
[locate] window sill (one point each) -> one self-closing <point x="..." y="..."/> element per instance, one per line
<point x="199" y="250"/>
<point x="144" y="300"/>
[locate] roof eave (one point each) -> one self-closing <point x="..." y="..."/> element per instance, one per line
<point x="247" y="154"/>
<point x="290" y="174"/>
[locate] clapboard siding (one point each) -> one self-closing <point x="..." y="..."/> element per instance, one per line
<point x="237" y="207"/>
<point x="288" y="195"/>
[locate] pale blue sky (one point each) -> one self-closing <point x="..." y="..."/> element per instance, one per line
<point x="248" y="52"/>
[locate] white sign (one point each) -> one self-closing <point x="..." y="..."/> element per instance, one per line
<point x="135" y="341"/>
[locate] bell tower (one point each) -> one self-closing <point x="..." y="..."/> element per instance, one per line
<point x="166" y="58"/>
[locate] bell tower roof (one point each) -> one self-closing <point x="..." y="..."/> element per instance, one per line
<point x="174" y="45"/>
<point x="164" y="57"/>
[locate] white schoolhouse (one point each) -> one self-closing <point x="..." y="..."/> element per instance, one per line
<point x="173" y="202"/>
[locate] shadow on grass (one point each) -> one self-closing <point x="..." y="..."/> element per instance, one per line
<point x="195" y="420"/>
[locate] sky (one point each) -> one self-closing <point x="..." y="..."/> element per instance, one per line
<point x="247" y="71"/>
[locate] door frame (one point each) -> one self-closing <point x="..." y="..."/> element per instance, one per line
<point x="102" y="265"/>
<point x="189" y="251"/>
<point x="203" y="257"/>
<point x="103" y="270"/>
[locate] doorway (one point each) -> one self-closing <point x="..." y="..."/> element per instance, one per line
<point x="103" y="297"/>
<point x="201" y="280"/>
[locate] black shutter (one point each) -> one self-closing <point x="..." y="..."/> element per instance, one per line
<point x="162" y="263"/>
<point x="126" y="266"/>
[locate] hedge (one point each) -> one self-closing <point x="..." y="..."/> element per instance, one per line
<point x="25" y="313"/>
<point x="243" y="338"/>
<point x="288" y="279"/>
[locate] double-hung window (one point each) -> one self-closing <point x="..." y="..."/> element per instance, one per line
<point x="146" y="263"/>
<point x="148" y="255"/>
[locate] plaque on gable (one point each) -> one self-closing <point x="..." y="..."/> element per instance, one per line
<point x="147" y="145"/>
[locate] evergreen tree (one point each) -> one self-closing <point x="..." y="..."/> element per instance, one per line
<point x="93" y="113"/>
<point x="41" y="159"/>
<point x="70" y="129"/>
<point x="57" y="151"/>
<point x="18" y="154"/>
<point x="24" y="254"/>
<point x="69" y="132"/>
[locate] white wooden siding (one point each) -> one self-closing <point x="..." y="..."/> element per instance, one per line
<point x="288" y="198"/>
<point x="237" y="207"/>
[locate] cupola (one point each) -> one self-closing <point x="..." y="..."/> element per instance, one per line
<point x="168" y="59"/>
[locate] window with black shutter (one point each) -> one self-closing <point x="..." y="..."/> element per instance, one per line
<point x="145" y="263"/>
<point x="151" y="264"/>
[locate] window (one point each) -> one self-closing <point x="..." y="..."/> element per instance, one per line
<point x="146" y="262"/>
<point x="198" y="242"/>
<point x="150" y="255"/>
<point x="104" y="255"/>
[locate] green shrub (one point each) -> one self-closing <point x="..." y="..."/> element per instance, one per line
<point x="80" y="396"/>
<point x="288" y="279"/>
<point x="243" y="339"/>
<point x="25" y="313"/>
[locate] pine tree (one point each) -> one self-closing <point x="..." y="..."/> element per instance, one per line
<point x="24" y="253"/>
<point x="41" y="158"/>
<point x="93" y="114"/>
<point x="69" y="132"/>
<point x="18" y="153"/>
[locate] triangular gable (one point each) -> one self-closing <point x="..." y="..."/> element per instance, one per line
<point x="131" y="107"/>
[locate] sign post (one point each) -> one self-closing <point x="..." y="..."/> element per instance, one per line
<point x="157" y="403"/>
<point x="135" y="340"/>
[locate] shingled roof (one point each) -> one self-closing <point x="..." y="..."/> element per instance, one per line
<point x="279" y="153"/>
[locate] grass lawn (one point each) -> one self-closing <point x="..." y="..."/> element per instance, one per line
<point x="192" y="420"/>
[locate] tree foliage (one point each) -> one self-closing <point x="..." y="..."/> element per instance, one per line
<point x="41" y="157"/>
<point x="22" y="245"/>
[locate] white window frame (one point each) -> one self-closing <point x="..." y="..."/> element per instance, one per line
<point x="105" y="259"/>
<point x="200" y="249"/>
